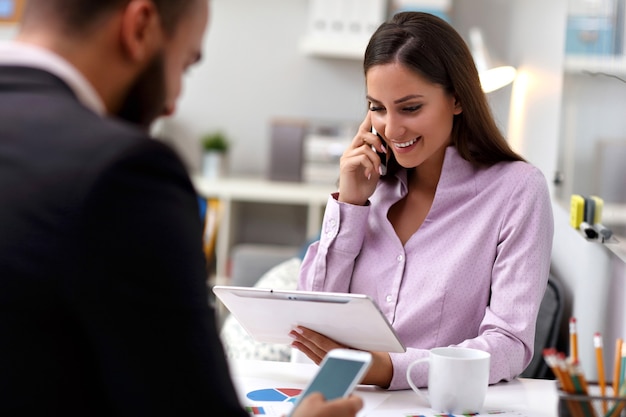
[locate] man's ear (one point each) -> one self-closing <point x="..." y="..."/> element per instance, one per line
<point x="458" y="108"/>
<point x="141" y="33"/>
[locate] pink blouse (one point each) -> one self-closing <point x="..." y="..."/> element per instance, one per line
<point x="473" y="274"/>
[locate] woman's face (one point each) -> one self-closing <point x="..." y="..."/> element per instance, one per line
<point x="413" y="115"/>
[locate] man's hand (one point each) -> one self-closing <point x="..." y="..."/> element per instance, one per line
<point x="316" y="406"/>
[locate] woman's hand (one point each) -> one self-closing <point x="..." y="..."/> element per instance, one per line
<point x="359" y="167"/>
<point x="315" y="346"/>
<point x="315" y="405"/>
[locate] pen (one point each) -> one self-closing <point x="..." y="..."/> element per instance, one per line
<point x="573" y="340"/>
<point x="597" y="344"/>
<point x="622" y="365"/>
<point x="617" y="366"/>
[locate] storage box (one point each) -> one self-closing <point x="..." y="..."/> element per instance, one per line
<point x="439" y="8"/>
<point x="590" y="35"/>
<point x="286" y="150"/>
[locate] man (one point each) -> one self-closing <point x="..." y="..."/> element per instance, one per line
<point x="103" y="303"/>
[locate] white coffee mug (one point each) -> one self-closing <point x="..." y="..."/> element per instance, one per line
<point x="457" y="379"/>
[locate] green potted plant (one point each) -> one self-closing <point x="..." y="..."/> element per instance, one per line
<point x="215" y="142"/>
<point x="215" y="148"/>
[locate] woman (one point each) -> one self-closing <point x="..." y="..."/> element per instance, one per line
<point x="454" y="242"/>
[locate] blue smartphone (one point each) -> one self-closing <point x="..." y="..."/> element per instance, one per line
<point x="340" y="371"/>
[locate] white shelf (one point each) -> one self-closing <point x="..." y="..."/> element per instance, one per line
<point x="334" y="47"/>
<point x="610" y="64"/>
<point x="264" y="191"/>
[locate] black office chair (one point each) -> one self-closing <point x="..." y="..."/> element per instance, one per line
<point x="548" y="328"/>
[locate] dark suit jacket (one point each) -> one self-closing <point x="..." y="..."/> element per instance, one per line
<point x="103" y="302"/>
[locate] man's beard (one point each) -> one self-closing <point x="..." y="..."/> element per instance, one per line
<point x="145" y="100"/>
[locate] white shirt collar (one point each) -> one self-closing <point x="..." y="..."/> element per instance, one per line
<point x="27" y="55"/>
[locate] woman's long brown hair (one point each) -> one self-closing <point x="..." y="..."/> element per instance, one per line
<point x="432" y="48"/>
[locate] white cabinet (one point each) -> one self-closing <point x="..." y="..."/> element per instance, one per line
<point x="235" y="193"/>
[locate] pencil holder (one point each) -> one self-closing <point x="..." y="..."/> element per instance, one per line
<point x="592" y="405"/>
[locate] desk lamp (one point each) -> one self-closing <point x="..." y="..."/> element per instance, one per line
<point x="491" y="78"/>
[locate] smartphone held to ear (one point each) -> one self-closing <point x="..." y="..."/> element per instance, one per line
<point x="339" y="373"/>
<point x="381" y="155"/>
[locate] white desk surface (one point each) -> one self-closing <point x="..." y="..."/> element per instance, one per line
<point x="519" y="398"/>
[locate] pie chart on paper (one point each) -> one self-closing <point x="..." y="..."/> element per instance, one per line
<point x="274" y="394"/>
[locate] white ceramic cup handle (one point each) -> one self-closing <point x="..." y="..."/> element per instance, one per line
<point x="410" y="381"/>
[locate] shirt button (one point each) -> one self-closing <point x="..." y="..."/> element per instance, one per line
<point x="400" y="258"/>
<point x="332" y="222"/>
<point x="389" y="298"/>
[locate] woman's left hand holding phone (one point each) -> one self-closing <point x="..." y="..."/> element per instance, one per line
<point x="359" y="167"/>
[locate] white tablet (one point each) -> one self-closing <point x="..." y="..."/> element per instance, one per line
<point x="269" y="315"/>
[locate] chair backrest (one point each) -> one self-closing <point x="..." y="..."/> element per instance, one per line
<point x="547" y="330"/>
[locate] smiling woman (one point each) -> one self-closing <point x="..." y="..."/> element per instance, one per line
<point x="11" y="10"/>
<point x="459" y="229"/>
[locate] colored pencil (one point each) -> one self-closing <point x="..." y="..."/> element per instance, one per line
<point x="580" y="385"/>
<point x="573" y="340"/>
<point x="617" y="365"/>
<point x="598" y="345"/>
<point x="619" y="404"/>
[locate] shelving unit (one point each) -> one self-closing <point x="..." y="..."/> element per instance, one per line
<point x="594" y="68"/>
<point x="341" y="28"/>
<point x="235" y="191"/>
<point x="609" y="64"/>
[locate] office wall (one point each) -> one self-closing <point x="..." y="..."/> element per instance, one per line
<point x="253" y="72"/>
<point x="530" y="35"/>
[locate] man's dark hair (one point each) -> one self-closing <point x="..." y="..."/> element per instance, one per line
<point x="78" y="16"/>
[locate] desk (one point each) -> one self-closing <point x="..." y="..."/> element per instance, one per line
<point x="235" y="190"/>
<point x="519" y="398"/>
